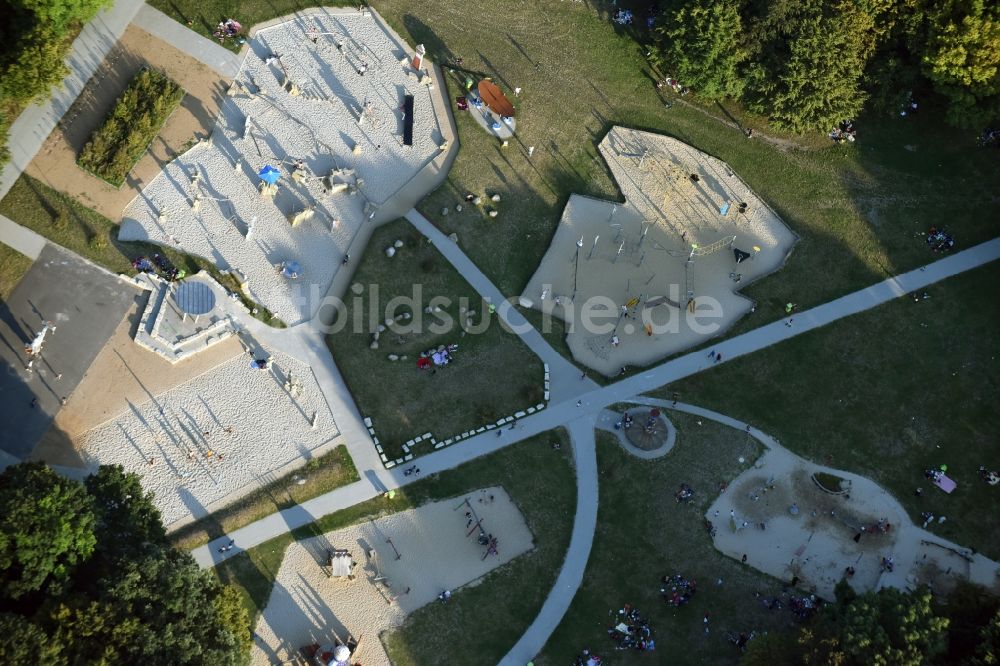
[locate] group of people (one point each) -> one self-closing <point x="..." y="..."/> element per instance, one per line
<point x="625" y="422"/>
<point x="991" y="477"/>
<point x="887" y="564"/>
<point x="631" y="631"/>
<point x="227" y="29"/>
<point x="939" y="240"/>
<point x="158" y="265"/>
<point x="990" y="137"/>
<point x="844" y="132"/>
<point x="677" y="590"/>
<point x="433" y="358"/>
<point x="685" y="494"/>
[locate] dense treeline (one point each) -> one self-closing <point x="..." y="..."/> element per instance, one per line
<point x="890" y="626"/>
<point x="87" y="577"/>
<point x="35" y="36"/>
<point x="808" y="64"/>
<point x="136" y="118"/>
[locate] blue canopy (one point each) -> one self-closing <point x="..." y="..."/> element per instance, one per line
<point x="269" y="175"/>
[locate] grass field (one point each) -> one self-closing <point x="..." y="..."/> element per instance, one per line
<point x="643" y="534"/>
<point x="887" y="393"/>
<point x="493" y="374"/>
<point x="540" y="481"/>
<point x="13" y="266"/>
<point x="320" y="475"/>
<point x="68" y="223"/>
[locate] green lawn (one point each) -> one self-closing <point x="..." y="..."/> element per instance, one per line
<point x="13" y="266"/>
<point x="320" y="475"/>
<point x="492" y="375"/>
<point x="643" y="534"/>
<point x="887" y="393"/>
<point x="68" y="223"/>
<point x="540" y="481"/>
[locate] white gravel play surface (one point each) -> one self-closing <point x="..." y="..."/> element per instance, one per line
<point x="642" y="249"/>
<point x="308" y="607"/>
<point x="270" y="429"/>
<point x="266" y="125"/>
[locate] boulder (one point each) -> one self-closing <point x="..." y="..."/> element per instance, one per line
<point x="381" y="328"/>
<point x="393" y="357"/>
<point x="374" y="344"/>
<point x="495" y="197"/>
<point x="453" y="237"/>
<point x="477" y="200"/>
<point x="458" y="208"/>
<point x="444" y="211"/>
<point x="493" y="213"/>
<point x="390" y="251"/>
<point x="397" y="243"/>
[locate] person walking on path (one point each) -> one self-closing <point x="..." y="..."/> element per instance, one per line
<point x="788" y="323"/>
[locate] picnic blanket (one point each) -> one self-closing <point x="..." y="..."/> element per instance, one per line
<point x="945" y="484"/>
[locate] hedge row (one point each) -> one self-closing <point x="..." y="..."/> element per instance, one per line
<point x="133" y="123"/>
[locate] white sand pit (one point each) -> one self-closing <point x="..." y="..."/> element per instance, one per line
<point x="215" y="437"/>
<point x="816" y="544"/>
<point x="296" y="101"/>
<point x="308" y="607"/>
<point x="667" y="255"/>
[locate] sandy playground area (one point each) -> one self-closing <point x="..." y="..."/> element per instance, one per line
<point x="216" y="436"/>
<point x="435" y="554"/>
<point x="327" y="114"/>
<point x="825" y="533"/>
<point x="681" y="246"/>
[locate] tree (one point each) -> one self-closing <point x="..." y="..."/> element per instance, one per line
<point x="808" y="75"/>
<point x="60" y="14"/>
<point x="699" y="40"/>
<point x="962" y="60"/>
<point x="128" y="522"/>
<point x="24" y="642"/>
<point x="46" y="529"/>
<point x="156" y="610"/>
<point x="884" y="627"/>
<point x="37" y="67"/>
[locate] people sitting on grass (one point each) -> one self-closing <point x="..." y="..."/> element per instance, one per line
<point x="685" y="494"/>
<point x="587" y="659"/>
<point x="939" y="240"/>
<point x="844" y="132"/>
<point x="991" y="477"/>
<point x="434" y="358"/>
<point x="677" y="590"/>
<point x="631" y="631"/>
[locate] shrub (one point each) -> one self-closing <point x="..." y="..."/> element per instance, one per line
<point x="133" y="123"/>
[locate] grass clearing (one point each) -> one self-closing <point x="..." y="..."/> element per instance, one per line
<point x="492" y="374"/>
<point x="321" y="475"/>
<point x="68" y="223"/>
<point x="134" y="121"/>
<point x="886" y="393"/>
<point x="13" y="266"/>
<point x="541" y="482"/>
<point x="643" y="534"/>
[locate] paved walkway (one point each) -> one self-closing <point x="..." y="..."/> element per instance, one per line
<point x="37" y="121"/>
<point x="219" y="58"/>
<point x="581" y="431"/>
<point x="22" y="239"/>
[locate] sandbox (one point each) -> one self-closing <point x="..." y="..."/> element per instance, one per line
<point x="218" y="435"/>
<point x="660" y="273"/>
<point x="321" y="99"/>
<point x="435" y="554"/>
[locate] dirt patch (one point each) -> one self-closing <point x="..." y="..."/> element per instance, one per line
<point x="55" y="163"/>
